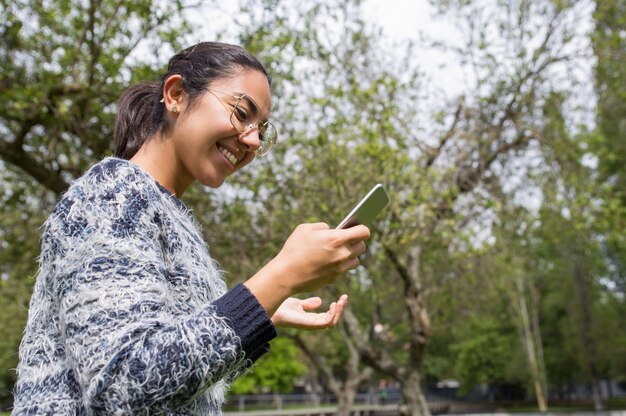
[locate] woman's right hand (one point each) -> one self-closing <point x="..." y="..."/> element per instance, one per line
<point x="313" y="256"/>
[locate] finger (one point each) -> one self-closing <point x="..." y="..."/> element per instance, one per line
<point x="311" y="303"/>
<point x="324" y="322"/>
<point x="343" y="300"/>
<point x="357" y="249"/>
<point x="350" y="252"/>
<point x="349" y="264"/>
<point x="316" y="321"/>
<point x="341" y="304"/>
<point x="331" y="310"/>
<point x="329" y="319"/>
<point x="317" y="225"/>
<point x="355" y="234"/>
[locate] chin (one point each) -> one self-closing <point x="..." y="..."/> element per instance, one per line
<point x="213" y="182"/>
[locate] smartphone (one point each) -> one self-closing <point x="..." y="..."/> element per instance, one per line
<point x="366" y="210"/>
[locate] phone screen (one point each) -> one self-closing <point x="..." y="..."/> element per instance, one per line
<point x="367" y="209"/>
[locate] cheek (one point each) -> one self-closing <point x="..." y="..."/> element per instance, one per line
<point x="200" y="128"/>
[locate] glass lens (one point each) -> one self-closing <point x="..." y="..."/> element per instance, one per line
<point x="268" y="136"/>
<point x="267" y="132"/>
<point x="264" y="148"/>
<point x="240" y="119"/>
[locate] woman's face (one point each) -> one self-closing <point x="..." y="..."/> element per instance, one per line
<point x="207" y="147"/>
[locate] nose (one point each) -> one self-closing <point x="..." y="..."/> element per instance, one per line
<point x="250" y="139"/>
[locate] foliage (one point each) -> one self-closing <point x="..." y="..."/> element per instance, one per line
<point x="63" y="65"/>
<point x="352" y="117"/>
<point x="609" y="45"/>
<point x="491" y="187"/>
<point x="484" y="354"/>
<point x="607" y="142"/>
<point x="275" y="372"/>
<point x="19" y="247"/>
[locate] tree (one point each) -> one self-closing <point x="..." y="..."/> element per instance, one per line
<point x="609" y="46"/>
<point x="340" y="369"/>
<point x="607" y="142"/>
<point x="275" y="372"/>
<point x="19" y="248"/>
<point x="63" y="65"/>
<point x="62" y="74"/>
<point x="352" y="117"/>
<point x="484" y="353"/>
<point x="352" y="112"/>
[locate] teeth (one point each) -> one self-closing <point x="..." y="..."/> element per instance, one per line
<point x="231" y="157"/>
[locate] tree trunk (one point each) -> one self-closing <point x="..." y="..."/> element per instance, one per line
<point x="345" y="399"/>
<point x="543" y="375"/>
<point x="414" y="396"/>
<point x="589" y="345"/>
<point x="344" y="389"/>
<point x="530" y="348"/>
<point x="597" y="394"/>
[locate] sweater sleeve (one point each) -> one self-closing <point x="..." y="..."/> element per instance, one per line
<point x="248" y="319"/>
<point x="129" y="351"/>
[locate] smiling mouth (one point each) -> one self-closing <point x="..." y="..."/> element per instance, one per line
<point x="228" y="155"/>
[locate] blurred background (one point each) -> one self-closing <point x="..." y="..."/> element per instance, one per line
<point x="497" y="275"/>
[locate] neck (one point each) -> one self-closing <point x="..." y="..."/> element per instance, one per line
<point x="156" y="157"/>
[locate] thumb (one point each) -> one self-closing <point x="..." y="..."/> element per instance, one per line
<point x="311" y="303"/>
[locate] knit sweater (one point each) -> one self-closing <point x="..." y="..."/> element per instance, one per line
<point x="130" y="315"/>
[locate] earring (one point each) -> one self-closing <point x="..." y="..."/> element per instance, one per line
<point x="174" y="109"/>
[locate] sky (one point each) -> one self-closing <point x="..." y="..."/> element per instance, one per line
<point x="400" y="21"/>
<point x="403" y="20"/>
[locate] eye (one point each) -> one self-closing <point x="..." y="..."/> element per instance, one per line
<point x="240" y="113"/>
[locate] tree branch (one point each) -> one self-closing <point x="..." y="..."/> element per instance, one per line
<point x="414" y="301"/>
<point x="434" y="153"/>
<point x="318" y="360"/>
<point x="378" y="359"/>
<point x="14" y="154"/>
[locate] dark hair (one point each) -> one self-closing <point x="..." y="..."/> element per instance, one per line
<point x="140" y="114"/>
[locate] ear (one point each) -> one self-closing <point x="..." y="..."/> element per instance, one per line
<point x="173" y="93"/>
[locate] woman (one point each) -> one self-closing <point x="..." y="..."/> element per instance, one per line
<point x="130" y="315"/>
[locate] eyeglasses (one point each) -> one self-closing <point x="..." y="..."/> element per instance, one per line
<point x="244" y="116"/>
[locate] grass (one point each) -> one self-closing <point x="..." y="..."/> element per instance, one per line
<point x="285" y="406"/>
<point x="613" y="404"/>
<point x="585" y="406"/>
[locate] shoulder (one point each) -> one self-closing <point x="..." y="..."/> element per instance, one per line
<point x="114" y="175"/>
<point x="113" y="194"/>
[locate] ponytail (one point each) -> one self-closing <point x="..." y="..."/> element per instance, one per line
<point x="139" y="116"/>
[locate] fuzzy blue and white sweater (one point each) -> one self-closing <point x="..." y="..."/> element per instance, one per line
<point x="130" y="315"/>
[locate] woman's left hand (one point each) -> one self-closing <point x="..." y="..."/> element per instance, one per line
<point x="293" y="313"/>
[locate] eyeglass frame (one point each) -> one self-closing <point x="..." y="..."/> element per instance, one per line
<point x="251" y="125"/>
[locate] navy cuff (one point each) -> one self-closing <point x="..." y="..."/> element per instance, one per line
<point x="248" y="319"/>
